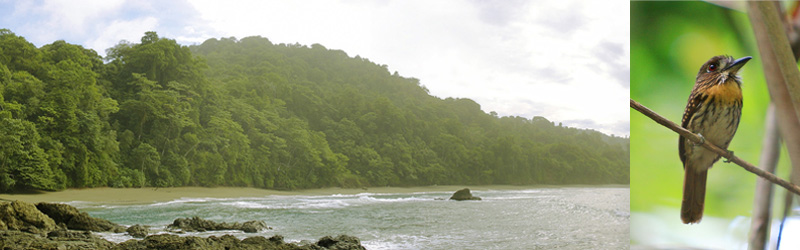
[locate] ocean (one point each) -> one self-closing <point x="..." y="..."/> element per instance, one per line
<point x="524" y="218"/>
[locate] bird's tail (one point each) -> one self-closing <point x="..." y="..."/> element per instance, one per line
<point x="694" y="195"/>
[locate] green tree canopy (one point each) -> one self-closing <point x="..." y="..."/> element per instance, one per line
<point x="252" y="113"/>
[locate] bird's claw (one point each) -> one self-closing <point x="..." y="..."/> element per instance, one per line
<point x="702" y="140"/>
<point x="730" y="153"/>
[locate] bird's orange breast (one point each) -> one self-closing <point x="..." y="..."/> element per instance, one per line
<point x="727" y="92"/>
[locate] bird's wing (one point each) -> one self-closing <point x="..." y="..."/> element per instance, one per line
<point x="696" y="100"/>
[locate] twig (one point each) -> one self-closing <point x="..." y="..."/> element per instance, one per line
<point x="706" y="144"/>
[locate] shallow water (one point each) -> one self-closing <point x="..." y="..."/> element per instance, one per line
<point x="537" y="218"/>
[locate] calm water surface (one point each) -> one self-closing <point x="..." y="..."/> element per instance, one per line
<point x="536" y="218"/>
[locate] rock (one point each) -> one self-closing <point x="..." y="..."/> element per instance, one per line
<point x="61" y="239"/>
<point x="341" y="242"/>
<point x="137" y="231"/>
<point x="464" y="195"/>
<point x="67" y="234"/>
<point x="171" y="241"/>
<point x="175" y="242"/>
<point x="196" y="224"/>
<point x="277" y="239"/>
<point x="23" y="216"/>
<point x="253" y="226"/>
<point x="69" y="239"/>
<point x="77" y="220"/>
<point x="258" y="241"/>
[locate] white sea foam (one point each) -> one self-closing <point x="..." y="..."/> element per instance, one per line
<point x="181" y="201"/>
<point x="115" y="237"/>
<point x="247" y="204"/>
<point x="315" y="202"/>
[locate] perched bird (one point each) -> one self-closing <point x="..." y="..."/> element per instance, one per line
<point x="713" y="111"/>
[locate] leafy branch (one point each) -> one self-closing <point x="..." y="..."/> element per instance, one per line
<point x="708" y="145"/>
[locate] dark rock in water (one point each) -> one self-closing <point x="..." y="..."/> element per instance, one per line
<point x="171" y="241"/>
<point x="259" y="241"/>
<point x="277" y="239"/>
<point x="137" y="231"/>
<point x="340" y="242"/>
<point x="196" y="224"/>
<point x="464" y="195"/>
<point x="67" y="234"/>
<point x="166" y="241"/>
<point x="253" y="226"/>
<point x="23" y="216"/>
<point x="77" y="220"/>
<point x="62" y="239"/>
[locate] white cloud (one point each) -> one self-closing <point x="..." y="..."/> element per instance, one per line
<point x="51" y="20"/>
<point x="101" y="24"/>
<point x="76" y="16"/>
<point x="119" y="30"/>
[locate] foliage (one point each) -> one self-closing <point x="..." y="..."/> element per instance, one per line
<point x="251" y="113"/>
<point x="670" y="41"/>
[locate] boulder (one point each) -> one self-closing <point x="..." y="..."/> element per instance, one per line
<point x="341" y="242"/>
<point x="23" y="216"/>
<point x="60" y="239"/>
<point x="196" y="224"/>
<point x="137" y="231"/>
<point x="253" y="226"/>
<point x="175" y="242"/>
<point x="464" y="195"/>
<point x="68" y="234"/>
<point x="74" y="219"/>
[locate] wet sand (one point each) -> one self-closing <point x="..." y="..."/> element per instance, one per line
<point x="150" y="195"/>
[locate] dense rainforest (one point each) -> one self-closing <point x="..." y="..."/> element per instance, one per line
<point x="252" y="113"/>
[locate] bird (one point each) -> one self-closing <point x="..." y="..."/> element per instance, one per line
<point x="713" y="111"/>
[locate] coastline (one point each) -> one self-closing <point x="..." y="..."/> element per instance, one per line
<point x="151" y="195"/>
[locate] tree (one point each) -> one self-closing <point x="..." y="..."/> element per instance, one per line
<point x="23" y="164"/>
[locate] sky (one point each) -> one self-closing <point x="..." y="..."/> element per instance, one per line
<point x="565" y="60"/>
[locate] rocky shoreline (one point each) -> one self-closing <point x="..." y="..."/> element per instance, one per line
<point x="59" y="226"/>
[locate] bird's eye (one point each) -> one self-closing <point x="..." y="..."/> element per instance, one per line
<point x="712" y="67"/>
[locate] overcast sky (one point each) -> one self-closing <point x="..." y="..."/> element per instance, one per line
<point x="566" y="60"/>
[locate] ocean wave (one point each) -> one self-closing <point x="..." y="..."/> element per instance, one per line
<point x="399" y="199"/>
<point x="114" y="237"/>
<point x="403" y="241"/>
<point x="292" y="204"/>
<point x="186" y="200"/>
<point x="319" y="202"/>
<point x="353" y="195"/>
<point x="182" y="201"/>
<point x="247" y="204"/>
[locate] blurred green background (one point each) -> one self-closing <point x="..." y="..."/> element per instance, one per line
<point x="670" y="41"/>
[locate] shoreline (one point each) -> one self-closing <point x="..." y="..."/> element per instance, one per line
<point x="152" y="195"/>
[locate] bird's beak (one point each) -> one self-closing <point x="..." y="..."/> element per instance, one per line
<point x="736" y="65"/>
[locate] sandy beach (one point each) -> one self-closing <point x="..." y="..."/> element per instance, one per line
<point x="150" y="195"/>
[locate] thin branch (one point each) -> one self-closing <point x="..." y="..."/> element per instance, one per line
<point x="713" y="148"/>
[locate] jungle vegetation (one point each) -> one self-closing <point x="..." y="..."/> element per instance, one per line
<point x="248" y="112"/>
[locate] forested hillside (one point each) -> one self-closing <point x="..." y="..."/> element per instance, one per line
<point x="248" y="112"/>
